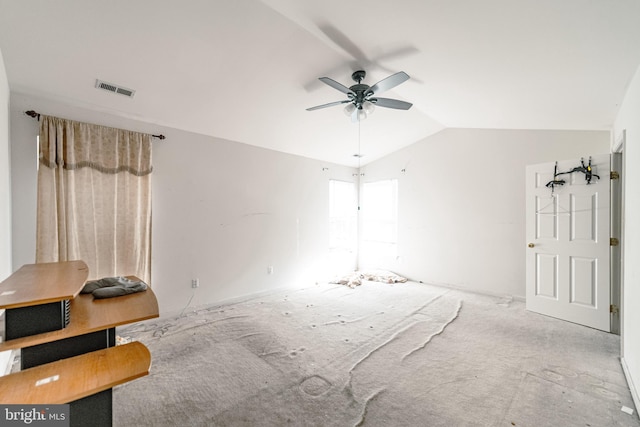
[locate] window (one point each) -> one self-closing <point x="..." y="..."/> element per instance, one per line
<point x="342" y="216"/>
<point x="380" y="221"/>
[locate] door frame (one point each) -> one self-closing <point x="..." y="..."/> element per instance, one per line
<point x="618" y="161"/>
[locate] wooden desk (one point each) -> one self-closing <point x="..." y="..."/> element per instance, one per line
<point x="36" y="294"/>
<point x="76" y="377"/>
<point x="91" y="315"/>
<point x="36" y="297"/>
<point x="35" y="284"/>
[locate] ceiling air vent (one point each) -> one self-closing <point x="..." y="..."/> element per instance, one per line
<point x="115" y="88"/>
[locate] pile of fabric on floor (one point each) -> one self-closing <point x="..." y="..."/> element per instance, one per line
<point x="355" y="279"/>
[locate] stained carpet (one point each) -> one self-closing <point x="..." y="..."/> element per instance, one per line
<point x="405" y="354"/>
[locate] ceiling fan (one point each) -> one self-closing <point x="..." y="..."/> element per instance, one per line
<point x="361" y="98"/>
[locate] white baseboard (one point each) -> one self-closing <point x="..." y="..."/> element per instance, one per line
<point x="632" y="387"/>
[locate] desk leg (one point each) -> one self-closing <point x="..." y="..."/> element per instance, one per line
<point x="36" y="319"/>
<point x="94" y="410"/>
<point x="68" y="347"/>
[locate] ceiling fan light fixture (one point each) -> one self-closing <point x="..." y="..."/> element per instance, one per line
<point x="362" y="114"/>
<point x="349" y="109"/>
<point x="368" y="107"/>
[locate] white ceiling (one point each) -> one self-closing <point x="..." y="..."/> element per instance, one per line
<point x="246" y="70"/>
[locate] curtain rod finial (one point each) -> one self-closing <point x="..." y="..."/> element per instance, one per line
<point x="160" y="137"/>
<point x="33" y="114"/>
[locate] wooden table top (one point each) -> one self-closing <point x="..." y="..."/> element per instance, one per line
<point x="70" y="379"/>
<point x="91" y="315"/>
<point x="34" y="284"/>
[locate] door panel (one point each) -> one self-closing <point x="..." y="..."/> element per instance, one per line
<point x="584" y="215"/>
<point x="568" y="235"/>
<point x="547" y="276"/>
<point x="547" y="218"/>
<point x="583" y="281"/>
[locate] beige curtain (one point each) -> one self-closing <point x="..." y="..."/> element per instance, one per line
<point x="94" y="198"/>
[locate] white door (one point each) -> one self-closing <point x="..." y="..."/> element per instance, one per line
<point x="568" y="242"/>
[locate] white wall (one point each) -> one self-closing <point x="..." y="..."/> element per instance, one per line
<point x="628" y="120"/>
<point x="462" y="203"/>
<point x="223" y="212"/>
<point x="5" y="183"/>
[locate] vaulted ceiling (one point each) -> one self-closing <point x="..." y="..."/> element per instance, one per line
<point x="246" y="70"/>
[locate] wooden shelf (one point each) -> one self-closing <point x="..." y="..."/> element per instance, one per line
<point x="67" y="340"/>
<point x="91" y="315"/>
<point x="35" y="284"/>
<point x="71" y="379"/>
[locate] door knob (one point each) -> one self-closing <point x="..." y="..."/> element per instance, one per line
<point x="531" y="245"/>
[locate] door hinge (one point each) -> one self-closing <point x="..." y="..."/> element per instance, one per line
<point x="613" y="309"/>
<point x="614" y="241"/>
<point x="615" y="175"/>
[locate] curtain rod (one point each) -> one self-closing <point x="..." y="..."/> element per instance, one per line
<point x="35" y="115"/>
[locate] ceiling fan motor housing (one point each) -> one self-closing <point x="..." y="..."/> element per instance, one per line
<point x="358" y="76"/>
<point x="362" y="92"/>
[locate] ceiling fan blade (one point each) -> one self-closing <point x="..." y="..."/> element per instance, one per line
<point x="343" y="42"/>
<point x="391" y="103"/>
<point x="334" y="84"/>
<point x="397" y="54"/>
<point x="330" y="104"/>
<point x="389" y="82"/>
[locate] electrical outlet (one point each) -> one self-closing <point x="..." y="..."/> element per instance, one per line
<point x="270" y="269"/>
<point x="195" y="283"/>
